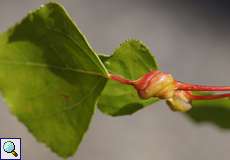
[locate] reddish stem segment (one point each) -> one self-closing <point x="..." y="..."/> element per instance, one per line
<point x="194" y="87"/>
<point x="139" y="84"/>
<point x="121" y="79"/>
<point x="207" y="97"/>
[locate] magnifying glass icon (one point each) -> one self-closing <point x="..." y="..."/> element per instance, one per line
<point x="9" y="147"/>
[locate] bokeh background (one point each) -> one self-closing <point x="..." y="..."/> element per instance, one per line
<point x="190" y="38"/>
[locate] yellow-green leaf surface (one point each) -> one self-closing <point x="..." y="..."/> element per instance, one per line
<point x="211" y="111"/>
<point x="50" y="77"/>
<point x="131" y="60"/>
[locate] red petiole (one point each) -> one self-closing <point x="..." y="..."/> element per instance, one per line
<point x="194" y="87"/>
<point x="143" y="82"/>
<point x="207" y="97"/>
<point x="121" y="79"/>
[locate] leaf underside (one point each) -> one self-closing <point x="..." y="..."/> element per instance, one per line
<point x="50" y="77"/>
<point x="131" y="60"/>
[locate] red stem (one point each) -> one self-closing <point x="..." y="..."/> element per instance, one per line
<point x="207" y="97"/>
<point x="121" y="79"/>
<point x="194" y="87"/>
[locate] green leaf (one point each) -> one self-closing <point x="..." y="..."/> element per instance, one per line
<point x="131" y="60"/>
<point x="50" y="77"/>
<point x="213" y="111"/>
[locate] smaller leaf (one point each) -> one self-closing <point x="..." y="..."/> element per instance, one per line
<point x="131" y="60"/>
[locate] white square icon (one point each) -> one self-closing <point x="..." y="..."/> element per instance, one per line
<point x="10" y="148"/>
